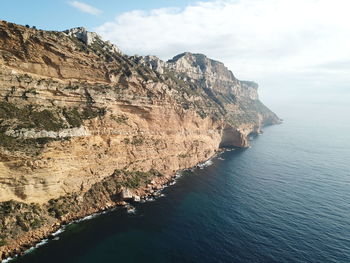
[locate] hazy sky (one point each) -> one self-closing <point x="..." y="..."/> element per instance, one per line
<point x="295" y="50"/>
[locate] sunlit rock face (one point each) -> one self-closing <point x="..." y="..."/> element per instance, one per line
<point x="205" y="72"/>
<point x="90" y="38"/>
<point x="74" y="110"/>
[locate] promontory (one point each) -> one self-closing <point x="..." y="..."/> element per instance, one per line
<point x="84" y="127"/>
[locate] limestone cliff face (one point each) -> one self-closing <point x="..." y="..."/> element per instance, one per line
<point x="205" y="72"/>
<point x="89" y="134"/>
<point x="74" y="110"/>
<point x="237" y="102"/>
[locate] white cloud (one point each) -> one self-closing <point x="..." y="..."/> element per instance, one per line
<point x="85" y="8"/>
<point x="257" y="39"/>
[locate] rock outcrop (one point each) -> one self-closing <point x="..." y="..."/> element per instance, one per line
<point x="83" y="126"/>
<point x="91" y="38"/>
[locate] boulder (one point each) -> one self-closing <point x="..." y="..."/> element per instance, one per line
<point x="136" y="198"/>
<point x="121" y="203"/>
<point x="126" y="193"/>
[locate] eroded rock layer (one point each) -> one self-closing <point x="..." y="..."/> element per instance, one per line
<point x="83" y="126"/>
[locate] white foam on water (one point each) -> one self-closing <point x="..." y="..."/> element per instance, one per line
<point x="41" y="243"/>
<point x="8" y="259"/>
<point x="178" y="175"/>
<point x="208" y="163"/>
<point x="229" y="150"/>
<point x="150" y="199"/>
<point x="87" y="218"/>
<point x="59" y="231"/>
<point x="157" y="193"/>
<point x="205" y="164"/>
<point x="130" y="209"/>
<point x="29" y="250"/>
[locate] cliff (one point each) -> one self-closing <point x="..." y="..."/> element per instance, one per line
<point x="84" y="126"/>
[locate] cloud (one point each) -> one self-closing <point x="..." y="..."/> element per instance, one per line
<point x="257" y="39"/>
<point x="85" y="8"/>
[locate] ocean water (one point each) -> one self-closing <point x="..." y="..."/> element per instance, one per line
<point x="285" y="199"/>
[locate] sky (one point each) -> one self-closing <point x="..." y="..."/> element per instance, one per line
<point x="296" y="50"/>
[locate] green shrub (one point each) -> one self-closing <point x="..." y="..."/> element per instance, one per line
<point x="122" y="119"/>
<point x="29" y="117"/>
<point x="137" y="140"/>
<point x="2" y="242"/>
<point x="36" y="223"/>
<point x="135" y="179"/>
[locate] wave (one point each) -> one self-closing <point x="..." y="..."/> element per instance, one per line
<point x="178" y="175"/>
<point x="205" y="164"/>
<point x="9" y="259"/>
<point x="59" y="231"/>
<point x="157" y="193"/>
<point x="29" y="250"/>
<point x="87" y="217"/>
<point x="229" y="150"/>
<point x="150" y="199"/>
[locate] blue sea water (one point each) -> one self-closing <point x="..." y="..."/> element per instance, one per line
<point x="285" y="199"/>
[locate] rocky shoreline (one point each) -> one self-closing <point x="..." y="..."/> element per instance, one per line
<point x="85" y="128"/>
<point x="36" y="238"/>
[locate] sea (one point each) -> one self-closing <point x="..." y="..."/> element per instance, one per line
<point x="284" y="199"/>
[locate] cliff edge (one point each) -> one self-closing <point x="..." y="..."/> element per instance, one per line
<point x="84" y="126"/>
